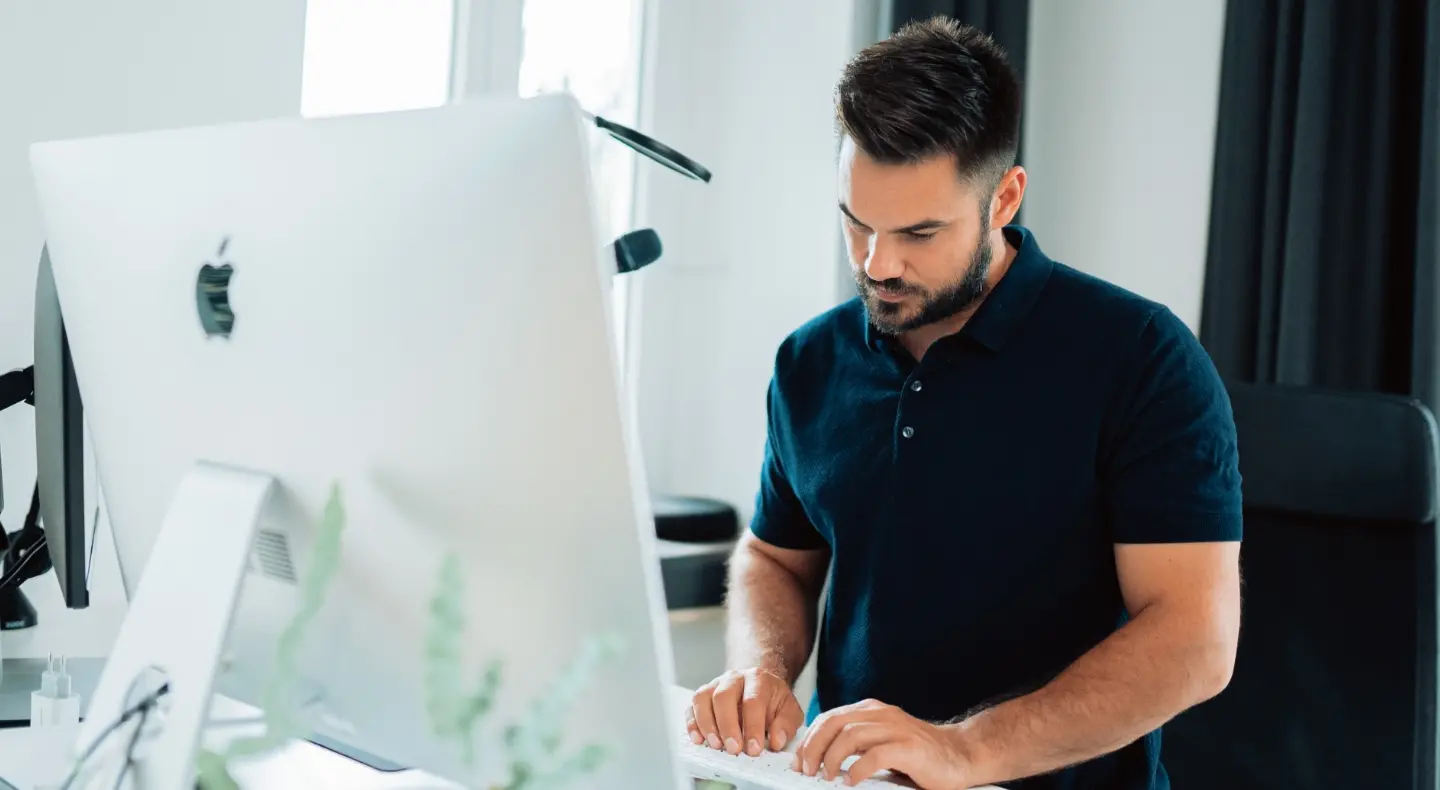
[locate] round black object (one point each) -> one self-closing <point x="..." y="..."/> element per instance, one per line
<point x="16" y="611"/>
<point x="694" y="519"/>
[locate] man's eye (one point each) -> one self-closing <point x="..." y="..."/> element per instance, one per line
<point x="921" y="237"/>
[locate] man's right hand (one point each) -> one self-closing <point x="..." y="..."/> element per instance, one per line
<point x="746" y="710"/>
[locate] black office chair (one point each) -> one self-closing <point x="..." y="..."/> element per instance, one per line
<point x="1335" y="682"/>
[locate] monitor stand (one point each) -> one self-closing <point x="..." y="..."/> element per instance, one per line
<point x="177" y="623"/>
<point x="16" y="611"/>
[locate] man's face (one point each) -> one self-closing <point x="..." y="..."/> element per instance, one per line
<point x="919" y="239"/>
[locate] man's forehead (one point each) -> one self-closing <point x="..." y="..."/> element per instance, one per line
<point x="852" y="157"/>
<point x="886" y="195"/>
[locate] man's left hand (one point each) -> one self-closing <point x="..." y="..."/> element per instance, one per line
<point x="885" y="738"/>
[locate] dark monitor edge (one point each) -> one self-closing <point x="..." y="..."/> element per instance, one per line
<point x="59" y="444"/>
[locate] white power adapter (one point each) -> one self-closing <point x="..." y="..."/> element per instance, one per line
<point x="55" y="703"/>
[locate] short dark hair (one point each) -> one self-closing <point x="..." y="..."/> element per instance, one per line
<point x="935" y="87"/>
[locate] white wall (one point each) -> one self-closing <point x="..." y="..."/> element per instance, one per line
<point x="1119" y="140"/>
<point x="72" y="68"/>
<point x="745" y="87"/>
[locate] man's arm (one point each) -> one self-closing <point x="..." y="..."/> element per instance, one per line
<point x="1177" y="651"/>
<point x="1171" y="488"/>
<point x="776" y="574"/>
<point x="772" y="605"/>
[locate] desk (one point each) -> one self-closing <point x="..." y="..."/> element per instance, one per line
<point x="28" y="758"/>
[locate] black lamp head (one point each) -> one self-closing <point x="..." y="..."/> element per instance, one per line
<point x="651" y="148"/>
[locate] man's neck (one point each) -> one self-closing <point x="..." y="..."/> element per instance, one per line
<point x="918" y="341"/>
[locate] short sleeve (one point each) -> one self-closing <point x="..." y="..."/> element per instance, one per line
<point x="780" y="519"/>
<point x="1173" y="471"/>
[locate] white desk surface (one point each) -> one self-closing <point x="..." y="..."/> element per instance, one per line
<point x="31" y="759"/>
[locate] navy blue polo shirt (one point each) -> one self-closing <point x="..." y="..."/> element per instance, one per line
<point x="972" y="501"/>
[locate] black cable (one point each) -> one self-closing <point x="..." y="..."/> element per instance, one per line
<point x="29" y="530"/>
<point x="130" y="748"/>
<point x="32" y="516"/>
<point x="140" y="707"/>
<point x="13" y="578"/>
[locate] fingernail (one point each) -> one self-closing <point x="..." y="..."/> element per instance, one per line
<point x="732" y="746"/>
<point x="805" y="767"/>
<point x="714" y="741"/>
<point x="778" y="740"/>
<point x="695" y="738"/>
<point x="795" y="763"/>
<point x="754" y="748"/>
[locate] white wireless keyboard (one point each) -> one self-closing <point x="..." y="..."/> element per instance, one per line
<point x="770" y="770"/>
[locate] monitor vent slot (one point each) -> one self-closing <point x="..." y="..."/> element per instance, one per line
<point x="271" y="557"/>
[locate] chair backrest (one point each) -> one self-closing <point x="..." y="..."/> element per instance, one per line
<point x="1335" y="681"/>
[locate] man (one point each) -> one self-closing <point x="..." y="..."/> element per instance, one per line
<point x="1022" y="480"/>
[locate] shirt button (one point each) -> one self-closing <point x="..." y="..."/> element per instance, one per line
<point x="915" y="385"/>
<point x="907" y="432"/>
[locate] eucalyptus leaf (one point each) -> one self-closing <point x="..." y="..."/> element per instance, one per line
<point x="278" y="699"/>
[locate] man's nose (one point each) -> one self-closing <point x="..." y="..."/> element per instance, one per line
<point x="882" y="261"/>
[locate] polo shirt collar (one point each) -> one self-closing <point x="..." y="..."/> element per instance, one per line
<point x="1007" y="304"/>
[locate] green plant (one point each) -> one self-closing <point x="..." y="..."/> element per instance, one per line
<point x="535" y="757"/>
<point x="281" y="723"/>
<point x="454" y="713"/>
<point x="533" y="745"/>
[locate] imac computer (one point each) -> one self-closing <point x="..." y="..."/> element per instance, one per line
<point x="398" y="323"/>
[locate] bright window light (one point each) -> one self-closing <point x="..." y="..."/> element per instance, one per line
<point x="366" y="56"/>
<point x="591" y="49"/>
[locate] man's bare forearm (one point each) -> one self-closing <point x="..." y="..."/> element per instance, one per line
<point x="772" y="615"/>
<point x="1127" y="686"/>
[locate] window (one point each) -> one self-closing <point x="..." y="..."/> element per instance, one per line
<point x="591" y="49"/>
<point x="376" y="55"/>
<point x="382" y="55"/>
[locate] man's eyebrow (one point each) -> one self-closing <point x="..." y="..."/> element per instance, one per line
<point x="922" y="226"/>
<point x="919" y="227"/>
<point x="846" y="210"/>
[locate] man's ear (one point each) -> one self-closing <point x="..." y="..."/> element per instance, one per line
<point x="1008" y="196"/>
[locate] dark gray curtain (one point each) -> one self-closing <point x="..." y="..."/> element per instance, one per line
<point x="1322" y="257"/>
<point x="1007" y="21"/>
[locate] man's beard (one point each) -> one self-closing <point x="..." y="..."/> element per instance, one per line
<point x="936" y="306"/>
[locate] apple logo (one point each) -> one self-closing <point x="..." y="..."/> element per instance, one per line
<point x="212" y="295"/>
